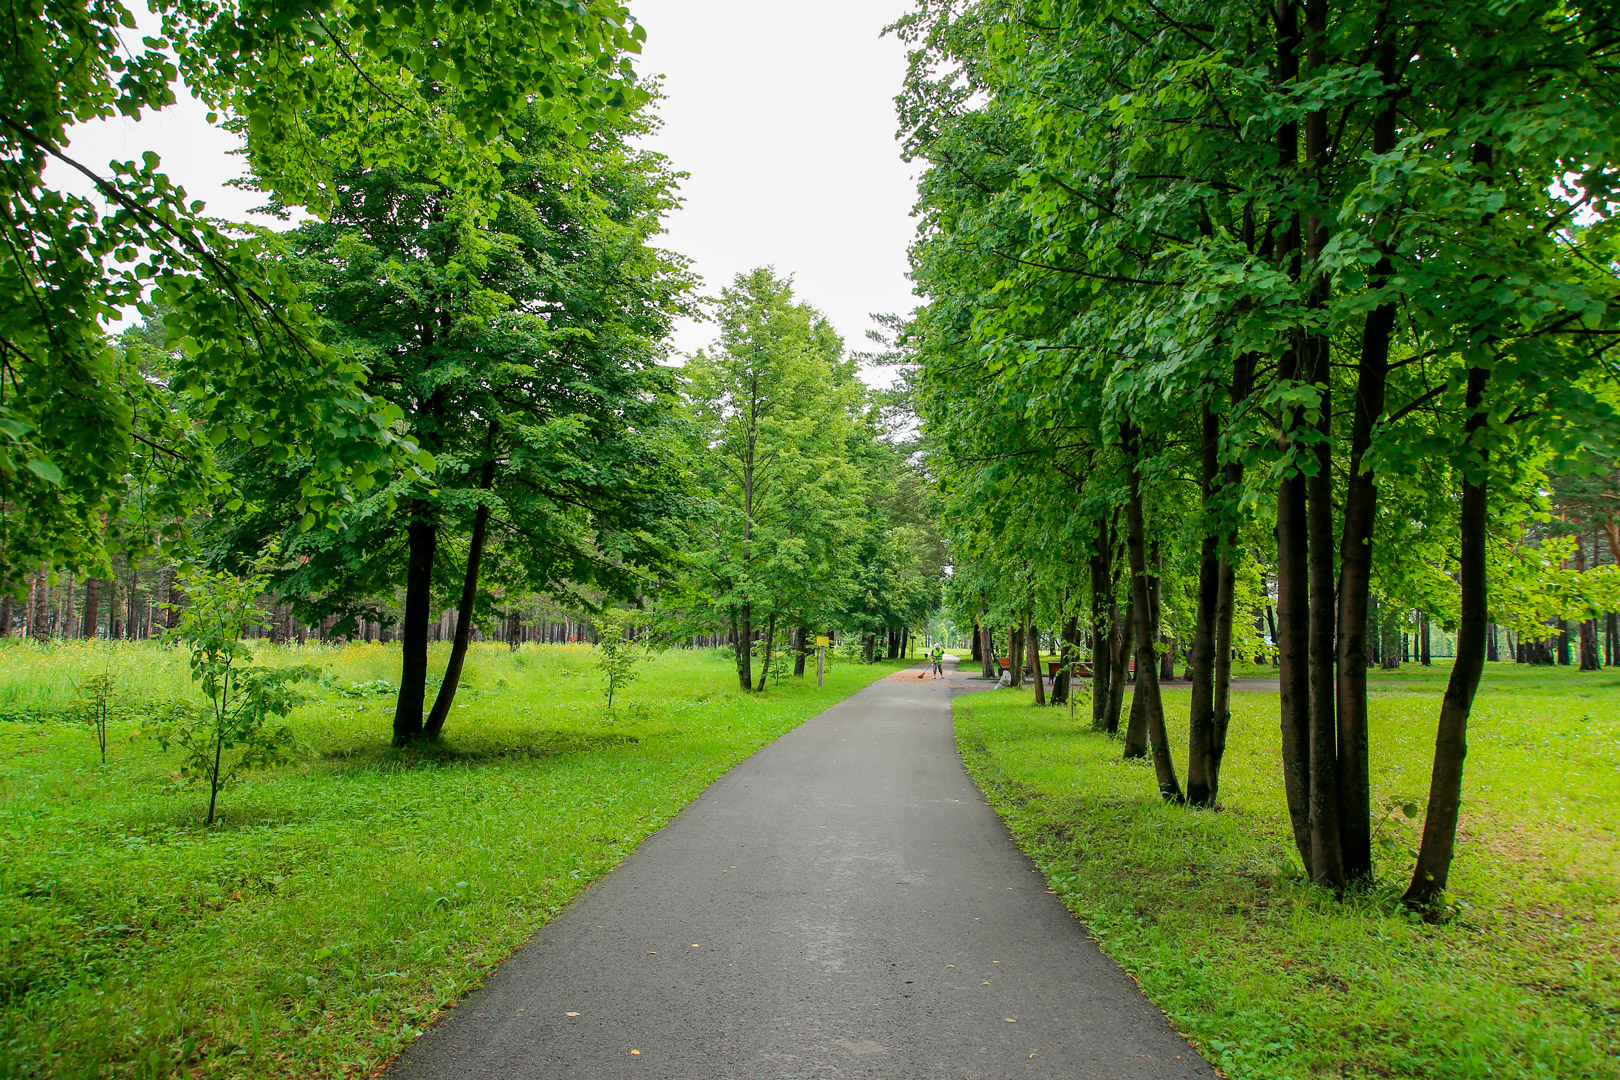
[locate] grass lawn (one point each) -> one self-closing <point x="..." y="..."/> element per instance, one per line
<point x="341" y="902"/>
<point x="1271" y="977"/>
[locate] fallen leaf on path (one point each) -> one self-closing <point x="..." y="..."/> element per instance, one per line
<point x="570" y="1014"/>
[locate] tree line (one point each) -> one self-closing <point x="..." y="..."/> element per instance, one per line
<point x="1304" y="307"/>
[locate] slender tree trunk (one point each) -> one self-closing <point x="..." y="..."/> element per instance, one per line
<point x="115" y="627"/>
<point x="1033" y="637"/>
<point x="132" y="620"/>
<point x="1451" y="742"/>
<point x="1015" y="655"/>
<point x="5" y="617"/>
<point x="745" y="649"/>
<point x="802" y="650"/>
<point x="1293" y="530"/>
<point x="770" y="644"/>
<point x="1201" y="717"/>
<point x="423" y="539"/>
<point x="39" y="615"/>
<point x="987" y="653"/>
<point x="464" y="612"/>
<point x="1104" y="613"/>
<point x="1119" y="661"/>
<point x="92" y="608"/>
<point x="1293" y="651"/>
<point x="978" y="653"/>
<point x="1328" y="868"/>
<point x="1226" y="583"/>
<point x="1147" y="675"/>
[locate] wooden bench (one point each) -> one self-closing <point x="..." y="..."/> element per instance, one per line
<point x="1082" y="670"/>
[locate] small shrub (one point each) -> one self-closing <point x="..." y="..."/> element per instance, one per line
<point x="616" y="658"/>
<point x="96" y="694"/>
<point x="229" y="732"/>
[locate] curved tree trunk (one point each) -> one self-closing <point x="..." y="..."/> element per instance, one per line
<point x="464" y="613"/>
<point x="1451" y="741"/>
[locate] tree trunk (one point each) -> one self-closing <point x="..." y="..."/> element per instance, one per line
<point x="1068" y="653"/>
<point x="1451" y="741"/>
<point x="1293" y="652"/>
<point x="92" y="608"/>
<point x="1119" y="648"/>
<point x="987" y="653"/>
<point x="744" y="649"/>
<point x="770" y="644"/>
<point x="423" y="539"/>
<point x="1201" y="716"/>
<point x="1033" y="637"/>
<point x="464" y="612"/>
<point x="39" y="615"/>
<point x="1104" y="614"/>
<point x="978" y="652"/>
<point x="1324" y="799"/>
<point x="1226" y="587"/>
<point x="801" y="651"/>
<point x="1147" y="675"/>
<point x="1015" y="655"/>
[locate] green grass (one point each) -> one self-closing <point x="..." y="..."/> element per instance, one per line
<point x="342" y="902"/>
<point x="1271" y="977"/>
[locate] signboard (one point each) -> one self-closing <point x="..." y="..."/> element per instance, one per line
<point x="823" y="641"/>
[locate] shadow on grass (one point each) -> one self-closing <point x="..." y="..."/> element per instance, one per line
<point x="446" y="754"/>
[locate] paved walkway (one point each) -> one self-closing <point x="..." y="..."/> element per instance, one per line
<point x="842" y="904"/>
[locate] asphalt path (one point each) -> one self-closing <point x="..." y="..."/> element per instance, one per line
<point x="841" y="904"/>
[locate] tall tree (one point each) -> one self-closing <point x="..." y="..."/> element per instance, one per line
<point x="524" y="355"/>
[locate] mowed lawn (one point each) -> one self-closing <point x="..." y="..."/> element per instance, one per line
<point x="1273" y="978"/>
<point x="342" y="901"/>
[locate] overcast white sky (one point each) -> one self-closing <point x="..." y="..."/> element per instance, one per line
<point x="783" y="115"/>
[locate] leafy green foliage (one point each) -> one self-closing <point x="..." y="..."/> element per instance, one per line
<point x="391" y="85"/>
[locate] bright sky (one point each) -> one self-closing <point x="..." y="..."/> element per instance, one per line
<point x="782" y="114"/>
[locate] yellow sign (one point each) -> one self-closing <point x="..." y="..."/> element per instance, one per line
<point x="823" y="641"/>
